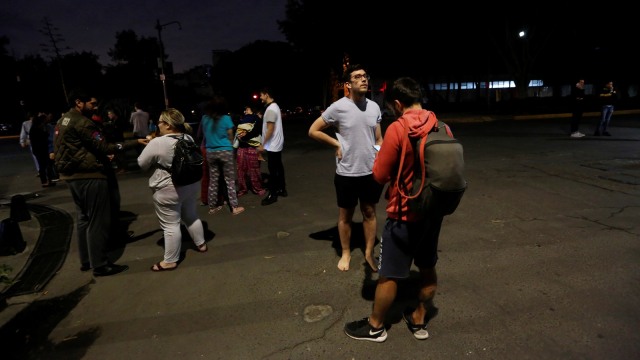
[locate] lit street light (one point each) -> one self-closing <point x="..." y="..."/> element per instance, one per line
<point x="159" y="27"/>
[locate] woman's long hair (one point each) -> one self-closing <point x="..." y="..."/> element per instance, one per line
<point x="217" y="107"/>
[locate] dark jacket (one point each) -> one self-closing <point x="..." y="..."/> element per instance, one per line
<point x="39" y="137"/>
<point x="608" y="96"/>
<point x="80" y="148"/>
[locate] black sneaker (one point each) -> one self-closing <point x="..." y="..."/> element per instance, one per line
<point x="109" y="269"/>
<point x="270" y="199"/>
<point x="283" y="193"/>
<point x="85" y="267"/>
<point x="419" y="331"/>
<point x="606" y="133"/>
<point x="362" y="330"/>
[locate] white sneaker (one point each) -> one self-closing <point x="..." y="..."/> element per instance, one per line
<point x="577" y="134"/>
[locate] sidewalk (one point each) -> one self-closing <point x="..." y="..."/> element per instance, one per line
<point x="546" y="233"/>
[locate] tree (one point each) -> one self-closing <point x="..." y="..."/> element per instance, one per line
<point x="135" y="73"/>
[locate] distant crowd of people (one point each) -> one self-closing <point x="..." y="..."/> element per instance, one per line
<point x="87" y="151"/>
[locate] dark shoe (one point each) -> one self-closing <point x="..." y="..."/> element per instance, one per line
<point x="597" y="133"/>
<point x="283" y="193"/>
<point x="606" y="133"/>
<point x="362" y="330"/>
<point x="85" y="267"/>
<point x="270" y="199"/>
<point x="109" y="269"/>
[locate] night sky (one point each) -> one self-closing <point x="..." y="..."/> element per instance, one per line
<point x="91" y="25"/>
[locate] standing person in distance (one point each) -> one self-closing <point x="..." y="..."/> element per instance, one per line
<point x="114" y="132"/>
<point x="140" y="121"/>
<point x="80" y="150"/>
<point x="578" y="99"/>
<point x="42" y="148"/>
<point x="173" y="204"/>
<point x="24" y="139"/>
<point x="218" y="131"/>
<point x="608" y="98"/>
<point x="407" y="236"/>
<point x="248" y="139"/>
<point x="273" y="143"/>
<point x="356" y="121"/>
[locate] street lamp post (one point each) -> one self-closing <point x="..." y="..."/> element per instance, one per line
<point x="159" y="27"/>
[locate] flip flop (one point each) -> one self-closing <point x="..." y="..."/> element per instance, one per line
<point x="238" y="210"/>
<point x="203" y="248"/>
<point x="157" y="267"/>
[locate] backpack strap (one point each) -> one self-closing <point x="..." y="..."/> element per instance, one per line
<point x="168" y="169"/>
<point x="432" y="122"/>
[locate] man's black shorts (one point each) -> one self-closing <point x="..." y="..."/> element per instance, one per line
<point x="350" y="190"/>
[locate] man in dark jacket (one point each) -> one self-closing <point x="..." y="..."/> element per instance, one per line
<point x="80" y="150"/>
<point x="577" y="96"/>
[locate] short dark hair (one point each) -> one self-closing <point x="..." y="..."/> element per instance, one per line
<point x="254" y="108"/>
<point x="346" y="77"/>
<point x="267" y="90"/>
<point x="78" y="94"/>
<point x="406" y="90"/>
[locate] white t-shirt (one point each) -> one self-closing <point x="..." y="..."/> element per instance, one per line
<point x="272" y="114"/>
<point x="355" y="128"/>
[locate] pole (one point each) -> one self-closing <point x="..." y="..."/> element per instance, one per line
<point x="163" y="77"/>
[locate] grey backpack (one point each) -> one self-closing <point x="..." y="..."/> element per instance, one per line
<point x="438" y="182"/>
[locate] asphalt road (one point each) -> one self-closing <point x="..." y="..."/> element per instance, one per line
<point x="541" y="261"/>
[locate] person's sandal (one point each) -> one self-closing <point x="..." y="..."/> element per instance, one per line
<point x="237" y="210"/>
<point x="203" y="248"/>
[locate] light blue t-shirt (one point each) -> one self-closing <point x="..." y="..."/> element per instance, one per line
<point x="355" y="127"/>
<point x="216" y="134"/>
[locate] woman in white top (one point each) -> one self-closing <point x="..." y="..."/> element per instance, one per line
<point x="173" y="204"/>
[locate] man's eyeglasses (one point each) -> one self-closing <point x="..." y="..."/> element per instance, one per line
<point x="361" y="76"/>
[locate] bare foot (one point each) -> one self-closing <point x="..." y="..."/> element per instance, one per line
<point x="372" y="263"/>
<point x="343" y="264"/>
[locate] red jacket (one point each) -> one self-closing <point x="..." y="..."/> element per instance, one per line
<point x="385" y="167"/>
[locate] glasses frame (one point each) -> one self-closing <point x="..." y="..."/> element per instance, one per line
<point x="359" y="77"/>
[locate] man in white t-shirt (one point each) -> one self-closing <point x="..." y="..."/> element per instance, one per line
<point x="356" y="121"/>
<point x="273" y="143"/>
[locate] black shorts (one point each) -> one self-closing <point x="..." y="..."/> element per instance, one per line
<point x="403" y="242"/>
<point x="350" y="190"/>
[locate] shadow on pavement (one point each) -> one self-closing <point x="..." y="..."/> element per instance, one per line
<point x="26" y="336"/>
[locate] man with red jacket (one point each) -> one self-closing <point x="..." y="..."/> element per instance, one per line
<point x="407" y="236"/>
